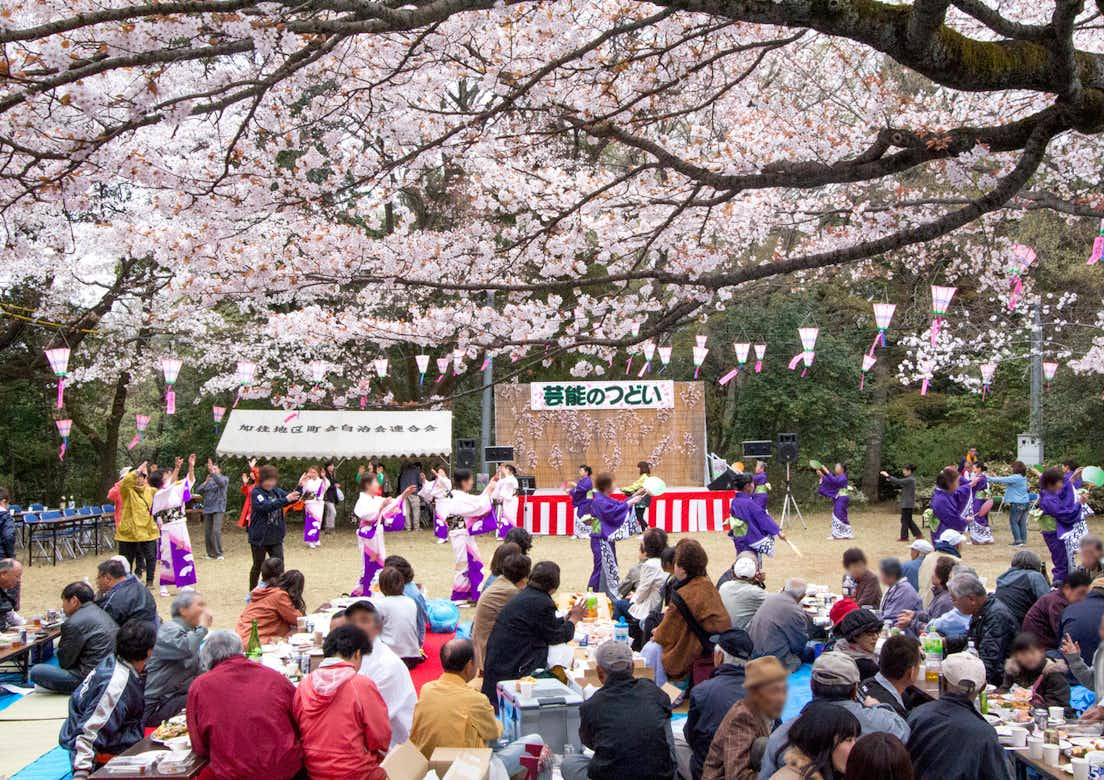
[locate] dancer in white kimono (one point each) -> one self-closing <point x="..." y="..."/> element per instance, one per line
<point x="313" y="486"/>
<point x="175" y="546"/>
<point x="433" y="490"/>
<point x="467" y="515"/>
<point x="372" y="512"/>
<point x="506" y="500"/>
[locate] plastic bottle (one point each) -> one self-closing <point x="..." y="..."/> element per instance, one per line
<point x="621" y="631"/>
<point x="972" y="649"/>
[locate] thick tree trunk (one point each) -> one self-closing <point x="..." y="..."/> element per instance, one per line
<point x="875" y="437"/>
<point x="109" y="451"/>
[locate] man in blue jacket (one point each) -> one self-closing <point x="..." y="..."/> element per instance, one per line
<point x="105" y="712"/>
<point x="711" y="700"/>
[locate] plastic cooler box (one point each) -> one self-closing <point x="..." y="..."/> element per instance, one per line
<point x="552" y="712"/>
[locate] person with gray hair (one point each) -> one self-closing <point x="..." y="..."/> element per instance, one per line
<point x="992" y="624"/>
<point x="239" y="715"/>
<point x="779" y="628"/>
<point x="220" y="645"/>
<point x="1023" y="584"/>
<point x="898" y="595"/>
<point x="1090" y="558"/>
<point x="175" y="661"/>
<point x="11" y="574"/>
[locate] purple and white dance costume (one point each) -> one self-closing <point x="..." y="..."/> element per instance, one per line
<point x="370" y="535"/>
<point x="466" y="515"/>
<point x="761" y="528"/>
<point x="834" y="487"/>
<point x="978" y="525"/>
<point x="432" y="492"/>
<point x="951" y="509"/>
<point x="506" y="503"/>
<point x="761" y="495"/>
<point x="1065" y="540"/>
<point x="612" y="520"/>
<point x="313" y="509"/>
<point x="582" y="497"/>
<point x="175" y="546"/>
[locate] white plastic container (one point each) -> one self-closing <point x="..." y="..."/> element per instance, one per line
<point x="552" y="711"/>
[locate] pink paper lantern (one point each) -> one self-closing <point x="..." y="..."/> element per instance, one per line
<point x="664" y="357"/>
<point x="380" y="364"/>
<point x="941" y="301"/>
<point x="868" y="362"/>
<point x="422" y="362"/>
<point x="59" y="364"/>
<point x="318" y="370"/>
<point x="63" y="427"/>
<point x="170" y="368"/>
<point x="760" y="351"/>
<point x="1050" y="370"/>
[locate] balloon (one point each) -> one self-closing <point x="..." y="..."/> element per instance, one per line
<point x="654" y="486"/>
<point x="1093" y="474"/>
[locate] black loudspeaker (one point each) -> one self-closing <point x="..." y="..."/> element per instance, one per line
<point x="527" y="486"/>
<point x="726" y="481"/>
<point x="498" y="454"/>
<point x="787" y="448"/>
<point x="467" y="455"/>
<point x="760" y="450"/>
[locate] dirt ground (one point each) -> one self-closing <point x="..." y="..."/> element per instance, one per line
<point x="335" y="567"/>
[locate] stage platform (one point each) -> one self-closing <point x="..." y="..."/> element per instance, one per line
<point x="679" y="510"/>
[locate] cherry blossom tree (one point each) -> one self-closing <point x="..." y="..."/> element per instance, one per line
<point x="358" y="176"/>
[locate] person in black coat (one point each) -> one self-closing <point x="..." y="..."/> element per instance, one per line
<point x="122" y="595"/>
<point x="711" y="700"/>
<point x="992" y="624"/>
<point x="627" y="723"/>
<point x="949" y="739"/>
<point x="525" y="629"/>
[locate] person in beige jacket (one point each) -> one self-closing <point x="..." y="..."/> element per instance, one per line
<point x="515" y="573"/>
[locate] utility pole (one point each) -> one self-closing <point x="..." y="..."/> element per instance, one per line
<point x="1037" y="371"/>
<point x="488" y="411"/>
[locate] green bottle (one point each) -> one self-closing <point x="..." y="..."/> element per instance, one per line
<point x="253" y="649"/>
<point x="983" y="702"/>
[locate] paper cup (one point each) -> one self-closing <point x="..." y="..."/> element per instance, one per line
<point x="1080" y="768"/>
<point x="1017" y="737"/>
<point x="1050" y="755"/>
<point x="1057" y="713"/>
<point x="1035" y="747"/>
<point x="526" y="690"/>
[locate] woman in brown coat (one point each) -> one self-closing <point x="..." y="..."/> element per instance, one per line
<point x="680" y="643"/>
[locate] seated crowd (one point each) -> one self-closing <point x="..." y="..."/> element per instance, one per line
<point x="728" y="648"/>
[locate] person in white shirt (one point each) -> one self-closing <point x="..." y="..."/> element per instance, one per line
<point x="466" y="514"/>
<point x="505" y="499"/>
<point x="386" y="670"/>
<point x="313" y="486"/>
<point x="373" y="512"/>
<point x="399" y="616"/>
<point x="432" y="491"/>
<point x="648" y="594"/>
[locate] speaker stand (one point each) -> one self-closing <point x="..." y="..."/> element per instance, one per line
<point x="789" y="505"/>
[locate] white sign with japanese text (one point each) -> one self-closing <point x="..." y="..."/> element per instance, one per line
<point x="593" y="396"/>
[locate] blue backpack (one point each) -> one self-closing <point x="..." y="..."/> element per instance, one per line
<point x="443" y="616"/>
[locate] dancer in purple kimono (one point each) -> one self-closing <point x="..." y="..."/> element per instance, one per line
<point x="747" y="515"/>
<point x="1058" y="499"/>
<point x="582" y="497"/>
<point x="467" y="515"/>
<point x="980" y="504"/>
<point x="374" y="514"/>
<point x="611" y="520"/>
<point x="950" y="502"/>
<point x="833" y="485"/>
<point x="313" y="486"/>
<point x="762" y="488"/>
<point x="434" y="488"/>
<point x="175" y="547"/>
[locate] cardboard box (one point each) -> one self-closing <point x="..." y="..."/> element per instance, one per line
<point x="475" y="763"/>
<point x="673" y="692"/>
<point x="405" y="762"/>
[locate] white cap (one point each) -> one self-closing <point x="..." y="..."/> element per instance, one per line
<point x="922" y="546"/>
<point x="744" y="568"/>
<point x="963" y="670"/>
<point x="952" y="537"/>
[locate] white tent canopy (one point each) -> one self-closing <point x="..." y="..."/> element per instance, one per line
<point x="335" y="434"/>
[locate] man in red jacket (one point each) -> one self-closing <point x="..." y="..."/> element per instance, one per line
<point x="239" y="715"/>
<point x="341" y="715"/>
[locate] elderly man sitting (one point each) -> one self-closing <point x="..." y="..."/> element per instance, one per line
<point x="992" y="624"/>
<point x="743" y="594"/>
<point x="780" y="627"/>
<point x="175" y="660"/>
<point x="11" y="573"/>
<point x="87" y="637"/>
<point x="122" y="595"/>
<point x="711" y="700"/>
<point x="255" y="741"/>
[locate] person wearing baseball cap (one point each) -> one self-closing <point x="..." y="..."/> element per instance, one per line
<point x="918" y="551"/>
<point x="743" y="593"/>
<point x="627" y="723"/>
<point x="743" y="731"/>
<point x="938" y="727"/>
<point x="835" y="679"/>
<point x="750" y="527"/>
<point x="712" y="699"/>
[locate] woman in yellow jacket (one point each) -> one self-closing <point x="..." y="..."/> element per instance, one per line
<point x="641" y="508"/>
<point x="138" y="532"/>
